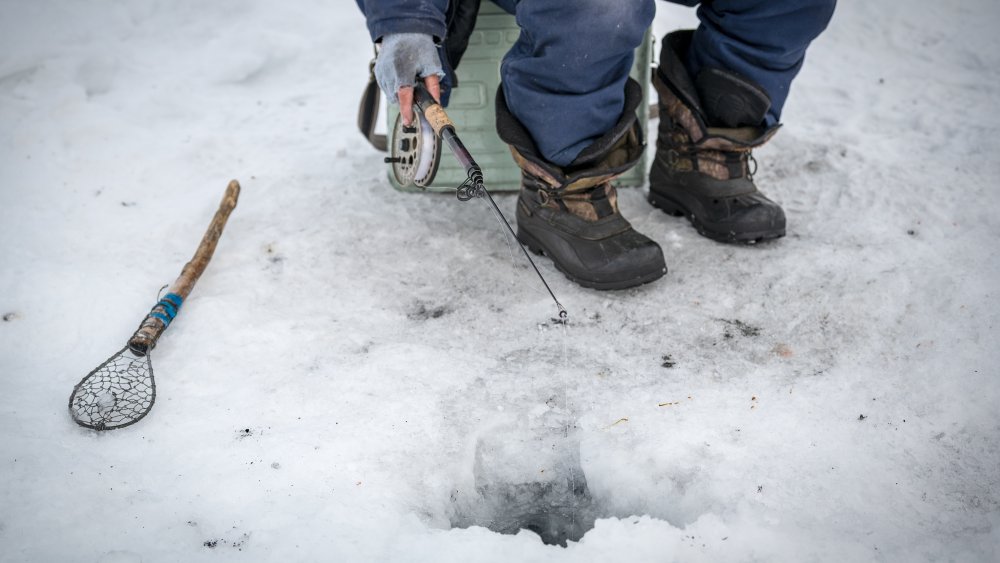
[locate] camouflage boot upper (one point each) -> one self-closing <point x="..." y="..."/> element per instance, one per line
<point x="571" y="214"/>
<point x="704" y="167"/>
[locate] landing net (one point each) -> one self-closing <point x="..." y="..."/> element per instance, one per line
<point x="117" y="393"/>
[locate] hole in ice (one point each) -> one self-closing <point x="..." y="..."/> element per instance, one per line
<point x="559" y="511"/>
<point x="534" y="484"/>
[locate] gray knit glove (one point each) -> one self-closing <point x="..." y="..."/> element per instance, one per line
<point x="402" y="59"/>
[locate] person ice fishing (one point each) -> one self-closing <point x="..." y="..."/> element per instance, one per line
<point x="567" y="108"/>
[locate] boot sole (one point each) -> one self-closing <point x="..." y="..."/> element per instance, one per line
<point x="536" y="248"/>
<point x="673" y="207"/>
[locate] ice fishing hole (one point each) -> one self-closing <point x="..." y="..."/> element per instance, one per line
<point x="535" y="483"/>
<point x="559" y="511"/>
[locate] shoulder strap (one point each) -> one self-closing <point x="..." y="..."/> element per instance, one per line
<point x="368" y="111"/>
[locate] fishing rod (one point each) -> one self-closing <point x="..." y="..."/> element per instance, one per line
<point x="415" y="154"/>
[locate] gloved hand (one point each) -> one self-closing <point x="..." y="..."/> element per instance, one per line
<point x="402" y="59"/>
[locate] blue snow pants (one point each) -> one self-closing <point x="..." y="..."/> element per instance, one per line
<point x="564" y="78"/>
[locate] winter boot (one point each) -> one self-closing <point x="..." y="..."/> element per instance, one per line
<point x="571" y="215"/>
<point x="703" y="167"/>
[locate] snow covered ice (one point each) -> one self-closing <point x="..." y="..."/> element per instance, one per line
<point x="363" y="375"/>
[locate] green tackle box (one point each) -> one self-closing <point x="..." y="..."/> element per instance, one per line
<point x="471" y="108"/>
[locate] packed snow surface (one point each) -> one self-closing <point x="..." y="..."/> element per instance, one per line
<point x="367" y="375"/>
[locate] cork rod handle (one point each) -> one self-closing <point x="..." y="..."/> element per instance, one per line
<point x="432" y="110"/>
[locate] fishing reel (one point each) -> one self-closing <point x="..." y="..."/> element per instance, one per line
<point x="415" y="151"/>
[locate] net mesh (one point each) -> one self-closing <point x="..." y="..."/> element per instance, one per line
<point x="117" y="393"/>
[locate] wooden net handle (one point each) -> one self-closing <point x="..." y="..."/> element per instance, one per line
<point x="166" y="309"/>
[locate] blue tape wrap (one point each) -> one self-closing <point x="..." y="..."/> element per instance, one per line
<point x="166" y="320"/>
<point x="175" y="300"/>
<point x="170" y="304"/>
